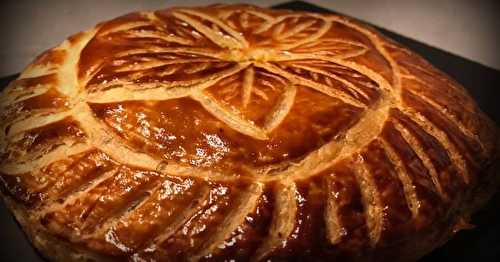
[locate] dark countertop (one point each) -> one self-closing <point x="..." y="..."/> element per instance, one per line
<point x="481" y="244"/>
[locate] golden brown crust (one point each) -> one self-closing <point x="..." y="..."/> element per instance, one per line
<point x="237" y="132"/>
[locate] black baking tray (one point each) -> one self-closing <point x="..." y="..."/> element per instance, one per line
<point x="483" y="83"/>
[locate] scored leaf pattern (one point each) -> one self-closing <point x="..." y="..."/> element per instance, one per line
<point x="243" y="66"/>
<point x="247" y="68"/>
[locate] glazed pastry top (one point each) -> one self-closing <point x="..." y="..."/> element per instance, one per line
<point x="237" y="131"/>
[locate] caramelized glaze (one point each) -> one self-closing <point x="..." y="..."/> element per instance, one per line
<point x="239" y="133"/>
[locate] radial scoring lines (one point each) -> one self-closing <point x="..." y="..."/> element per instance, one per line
<point x="284" y="30"/>
<point x="136" y="74"/>
<point x="117" y="92"/>
<point x="170" y="61"/>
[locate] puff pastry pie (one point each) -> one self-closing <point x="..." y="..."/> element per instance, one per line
<point x="240" y="133"/>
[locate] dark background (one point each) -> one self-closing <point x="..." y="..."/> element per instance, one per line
<point x="468" y="28"/>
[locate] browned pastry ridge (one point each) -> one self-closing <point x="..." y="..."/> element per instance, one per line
<point x="237" y="132"/>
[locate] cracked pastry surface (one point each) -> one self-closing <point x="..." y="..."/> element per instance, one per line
<point x="238" y="132"/>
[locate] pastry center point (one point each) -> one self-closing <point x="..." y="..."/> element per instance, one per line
<point x="251" y="55"/>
